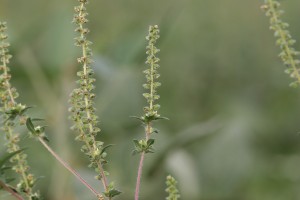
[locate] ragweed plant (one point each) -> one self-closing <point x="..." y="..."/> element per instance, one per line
<point x="82" y="105"/>
<point x="14" y="114"/>
<point x="144" y="146"/>
<point x="288" y="54"/>
<point x="173" y="193"/>
<point x="12" y="117"/>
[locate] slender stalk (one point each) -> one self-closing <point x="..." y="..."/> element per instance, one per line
<point x="70" y="169"/>
<point x="140" y="168"/>
<point x="11" y="191"/>
<point x="139" y="176"/>
<point x="151" y="110"/>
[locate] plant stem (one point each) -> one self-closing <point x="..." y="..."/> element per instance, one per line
<point x="70" y="169"/>
<point x="140" y="169"/>
<point x="139" y="176"/>
<point x="11" y="191"/>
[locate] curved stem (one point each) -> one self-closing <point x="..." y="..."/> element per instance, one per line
<point x="70" y="169"/>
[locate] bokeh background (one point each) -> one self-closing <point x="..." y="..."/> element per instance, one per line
<point x="234" y="123"/>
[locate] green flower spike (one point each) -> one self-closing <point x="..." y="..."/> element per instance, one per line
<point x="288" y="55"/>
<point x="13" y="116"/>
<point x="172" y="189"/>
<point x="82" y="104"/>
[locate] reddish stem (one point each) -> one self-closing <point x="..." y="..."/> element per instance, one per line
<point x="69" y="168"/>
<point x="139" y="176"/>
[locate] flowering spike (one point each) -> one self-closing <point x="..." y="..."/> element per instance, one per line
<point x="13" y="114"/>
<point x="288" y="55"/>
<point x="82" y="101"/>
<point x="151" y="74"/>
<point x="172" y="189"/>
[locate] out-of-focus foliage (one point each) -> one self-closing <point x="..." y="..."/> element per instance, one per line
<point x="234" y="122"/>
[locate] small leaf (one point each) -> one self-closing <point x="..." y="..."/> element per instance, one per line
<point x="30" y="126"/>
<point x="150" y="142"/>
<point x="104" y="149"/>
<point x="136" y="143"/>
<point x="158" y="118"/>
<point x="113" y="193"/>
<point x="139" y="118"/>
<point x="8" y="156"/>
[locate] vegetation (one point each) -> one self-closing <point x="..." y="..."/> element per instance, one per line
<point x="233" y="122"/>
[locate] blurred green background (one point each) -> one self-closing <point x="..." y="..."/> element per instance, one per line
<point x="234" y="122"/>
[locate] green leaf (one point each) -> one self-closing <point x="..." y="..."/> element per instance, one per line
<point x="113" y="193"/>
<point x="6" y="157"/>
<point x="106" y="147"/>
<point x="30" y="126"/>
<point x="150" y="142"/>
<point x="158" y="118"/>
<point x="139" y="118"/>
<point x="136" y="143"/>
